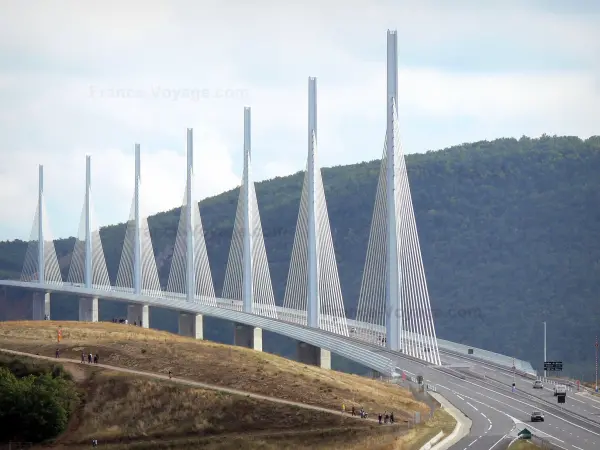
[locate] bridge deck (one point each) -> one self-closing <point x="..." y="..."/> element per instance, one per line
<point x="289" y="322"/>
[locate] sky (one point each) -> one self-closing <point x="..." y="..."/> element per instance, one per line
<point x="80" y="78"/>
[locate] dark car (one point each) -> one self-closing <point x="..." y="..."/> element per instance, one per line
<point x="537" y="416"/>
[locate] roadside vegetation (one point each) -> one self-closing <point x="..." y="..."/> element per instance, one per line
<point x="37" y="399"/>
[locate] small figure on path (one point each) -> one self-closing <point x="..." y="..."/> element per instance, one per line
<point x="380" y="418"/>
<point x="343" y="407"/>
<point x="90" y="358"/>
<point x="392" y="417"/>
<point x="353" y="411"/>
<point x="57" y="353"/>
<point x="96" y="358"/>
<point x="170" y="375"/>
<point x="83" y="357"/>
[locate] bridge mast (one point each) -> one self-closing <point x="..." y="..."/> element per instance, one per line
<point x="41" y="259"/>
<point x="313" y="307"/>
<point x="137" y="240"/>
<point x="88" y="225"/>
<point x="247" y="276"/>
<point x="189" y="221"/>
<point x="393" y="323"/>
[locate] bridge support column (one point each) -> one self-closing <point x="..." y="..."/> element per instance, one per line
<point x="88" y="309"/>
<point x="138" y="314"/>
<point x="191" y="325"/>
<point x="315" y="356"/>
<point x="41" y="306"/>
<point x="247" y="336"/>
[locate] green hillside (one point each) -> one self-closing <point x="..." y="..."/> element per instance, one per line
<point x="508" y="230"/>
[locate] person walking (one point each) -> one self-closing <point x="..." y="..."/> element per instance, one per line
<point x="57" y="354"/>
<point x="90" y="358"/>
<point x="83" y="357"/>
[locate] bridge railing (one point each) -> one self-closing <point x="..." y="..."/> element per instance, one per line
<point x="503" y="360"/>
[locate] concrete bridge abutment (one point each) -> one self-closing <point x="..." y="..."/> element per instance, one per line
<point x="138" y="314"/>
<point x="191" y="325"/>
<point x="314" y="356"/>
<point x="88" y="309"/>
<point x="41" y="306"/>
<point x="247" y="336"/>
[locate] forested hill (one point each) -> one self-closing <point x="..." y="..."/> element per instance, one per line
<point x="509" y="230"/>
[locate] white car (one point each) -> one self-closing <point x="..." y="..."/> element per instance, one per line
<point x="537" y="384"/>
<point x="560" y="389"/>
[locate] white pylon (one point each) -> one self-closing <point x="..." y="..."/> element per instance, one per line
<point x="190" y="273"/>
<point x="138" y="272"/>
<point x="247" y="277"/>
<point x="313" y="286"/>
<point x="394" y="291"/>
<point x="41" y="264"/>
<point x="88" y="265"/>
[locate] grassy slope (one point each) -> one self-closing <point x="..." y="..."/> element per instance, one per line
<point x="123" y="411"/>
<point x="126" y="412"/>
<point x="234" y="367"/>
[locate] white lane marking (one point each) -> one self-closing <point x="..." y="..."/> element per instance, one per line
<point x="490" y="427"/>
<point x="516" y="421"/>
<point x="498" y="441"/>
<point x="578" y="448"/>
<point x="524" y="403"/>
<point x="473" y="442"/>
<point x="484" y="415"/>
<point x="472" y="406"/>
<point x="459" y="396"/>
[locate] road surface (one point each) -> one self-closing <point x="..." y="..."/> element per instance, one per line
<point x="484" y="393"/>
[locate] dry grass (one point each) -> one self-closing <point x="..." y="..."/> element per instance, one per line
<point x="523" y="445"/>
<point x="123" y="411"/>
<point x="233" y="367"/>
<point x="421" y="434"/>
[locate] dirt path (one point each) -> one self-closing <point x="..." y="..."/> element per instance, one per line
<point x="190" y="383"/>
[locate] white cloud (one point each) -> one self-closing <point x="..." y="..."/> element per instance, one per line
<point x="95" y="78"/>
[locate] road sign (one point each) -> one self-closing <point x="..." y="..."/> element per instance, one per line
<point x="555" y="366"/>
<point x="524" y="434"/>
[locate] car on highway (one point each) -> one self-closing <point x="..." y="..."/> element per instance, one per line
<point x="537" y="384"/>
<point x="560" y="389"/>
<point x="537" y="416"/>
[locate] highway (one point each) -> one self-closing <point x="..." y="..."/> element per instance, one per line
<point x="484" y="394"/>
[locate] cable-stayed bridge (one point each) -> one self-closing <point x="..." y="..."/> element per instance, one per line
<point x="394" y="317"/>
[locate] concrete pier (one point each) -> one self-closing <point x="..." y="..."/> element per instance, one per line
<point x="88" y="309"/>
<point x="41" y="306"/>
<point x="247" y="336"/>
<point x="315" y="356"/>
<point x="139" y="314"/>
<point x="191" y="325"/>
